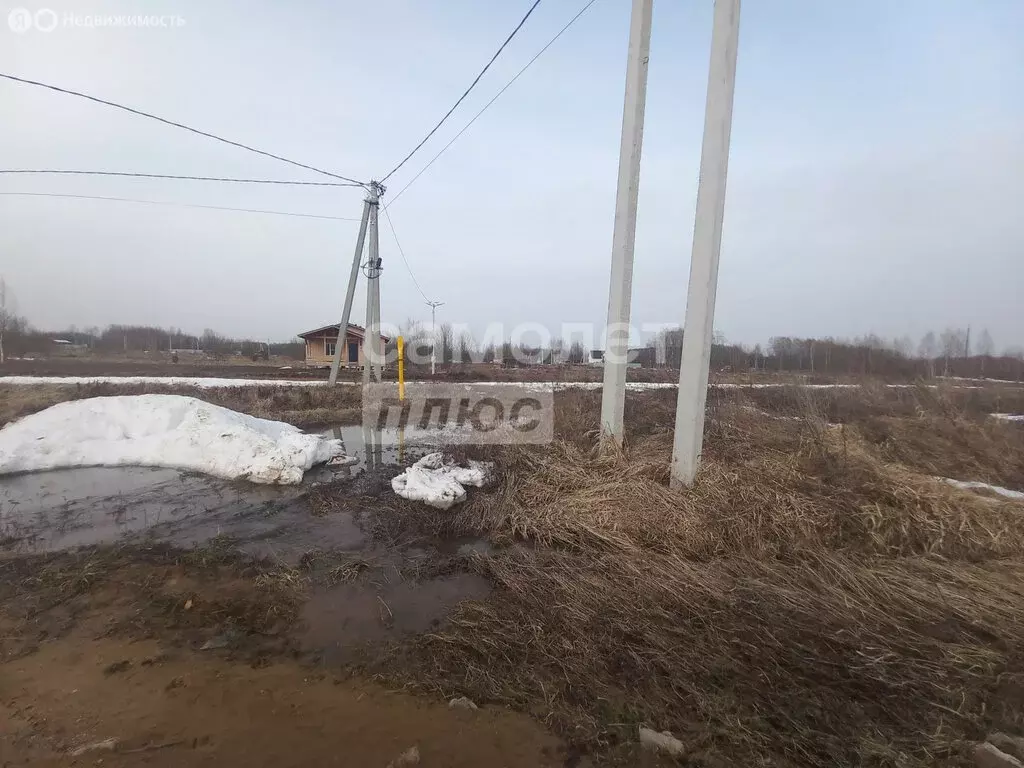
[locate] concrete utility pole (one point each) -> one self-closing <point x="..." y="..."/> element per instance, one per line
<point x="372" y="351"/>
<point x="433" y="330"/>
<point x="707" y="242"/>
<point x="624" y="234"/>
<point x="341" y="343"/>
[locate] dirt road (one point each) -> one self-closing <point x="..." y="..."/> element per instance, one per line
<point x="170" y="707"/>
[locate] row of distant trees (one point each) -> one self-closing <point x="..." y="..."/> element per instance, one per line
<point x="951" y="352"/>
<point x="450" y="346"/>
<point x="22" y="339"/>
<point x="19" y="338"/>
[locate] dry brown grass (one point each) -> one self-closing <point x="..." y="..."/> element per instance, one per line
<point x="809" y="601"/>
<point x="301" y="406"/>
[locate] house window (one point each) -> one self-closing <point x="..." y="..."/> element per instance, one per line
<point x="329" y="347"/>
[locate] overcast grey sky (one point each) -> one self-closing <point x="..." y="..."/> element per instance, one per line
<point x="876" y="177"/>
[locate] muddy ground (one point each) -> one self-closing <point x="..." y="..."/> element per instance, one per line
<point x="201" y="622"/>
<point x="91" y="699"/>
<point x="818" y="598"/>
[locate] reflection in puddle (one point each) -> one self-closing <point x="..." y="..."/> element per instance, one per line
<point x="49" y="511"/>
<point x="61" y="509"/>
<point x="54" y="510"/>
<point x="377" y="448"/>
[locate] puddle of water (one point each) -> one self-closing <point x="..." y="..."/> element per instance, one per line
<point x="62" y="509"/>
<point x="339" y="621"/>
<point x="378" y="448"/>
<point x="48" y="511"/>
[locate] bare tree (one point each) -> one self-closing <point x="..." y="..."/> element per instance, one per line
<point x="467" y="348"/>
<point x="952" y="343"/>
<point x="669" y="347"/>
<point x="986" y="346"/>
<point x="929" y="347"/>
<point x="903" y="346"/>
<point x="445" y="340"/>
<point x="7" y="319"/>
<point x="559" y="350"/>
<point x="577" y="354"/>
<point x="985" y="349"/>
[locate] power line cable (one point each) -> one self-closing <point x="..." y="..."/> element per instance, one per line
<point x="188" y="178"/>
<point x="401" y="251"/>
<point x="466" y="93"/>
<point x="496" y="97"/>
<point x="176" y="125"/>
<point x="178" y="205"/>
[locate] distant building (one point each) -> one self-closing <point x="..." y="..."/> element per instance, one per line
<point x="68" y="348"/>
<point x="643" y="357"/>
<point x="320" y="343"/>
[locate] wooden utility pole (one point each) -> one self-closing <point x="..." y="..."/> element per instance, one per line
<point x="370" y="201"/>
<point x="373" y="354"/>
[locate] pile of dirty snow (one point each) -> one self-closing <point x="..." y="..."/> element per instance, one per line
<point x="439" y="483"/>
<point x="161" y="431"/>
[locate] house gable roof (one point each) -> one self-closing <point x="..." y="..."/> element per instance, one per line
<point x="353" y="330"/>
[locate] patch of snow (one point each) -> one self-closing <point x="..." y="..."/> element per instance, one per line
<point x="343" y="461"/>
<point x="162" y="431"/>
<point x="775" y="416"/>
<point x="982" y="379"/>
<point x="661" y="742"/>
<point x="439" y="483"/>
<point x="1008" y="416"/>
<point x="973" y="485"/>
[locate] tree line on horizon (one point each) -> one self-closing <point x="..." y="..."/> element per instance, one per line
<point x="952" y="352"/>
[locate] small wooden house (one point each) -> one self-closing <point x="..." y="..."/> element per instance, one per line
<point x="320" y="343"/>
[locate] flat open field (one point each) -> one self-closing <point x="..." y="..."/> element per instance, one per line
<point x="283" y="368"/>
<point x="821" y="596"/>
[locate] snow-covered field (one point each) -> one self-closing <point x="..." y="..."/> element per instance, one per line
<point x="162" y="431"/>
